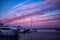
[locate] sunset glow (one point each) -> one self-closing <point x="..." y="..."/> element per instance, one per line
<point x="35" y="13"/>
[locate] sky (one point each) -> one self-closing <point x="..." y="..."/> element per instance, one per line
<point x="30" y="13"/>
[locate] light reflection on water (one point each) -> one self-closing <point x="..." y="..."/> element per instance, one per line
<point x="38" y="36"/>
<point x="41" y="36"/>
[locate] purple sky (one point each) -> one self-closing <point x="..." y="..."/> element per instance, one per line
<point x="38" y="13"/>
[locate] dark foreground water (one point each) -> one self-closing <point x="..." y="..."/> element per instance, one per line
<point x="35" y="36"/>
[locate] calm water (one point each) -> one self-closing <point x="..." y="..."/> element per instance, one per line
<point x="41" y="36"/>
<point x="37" y="36"/>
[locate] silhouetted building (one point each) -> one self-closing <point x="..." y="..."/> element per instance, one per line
<point x="1" y="24"/>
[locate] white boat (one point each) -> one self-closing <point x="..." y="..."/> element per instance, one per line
<point x="8" y="31"/>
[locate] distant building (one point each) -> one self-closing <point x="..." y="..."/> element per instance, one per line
<point x="1" y="24"/>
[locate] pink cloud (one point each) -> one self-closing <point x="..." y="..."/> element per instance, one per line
<point x="53" y="1"/>
<point x="29" y="6"/>
<point x="24" y="7"/>
<point x="36" y="20"/>
<point x="41" y="21"/>
<point x="21" y="4"/>
<point x="42" y="3"/>
<point x="39" y="12"/>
